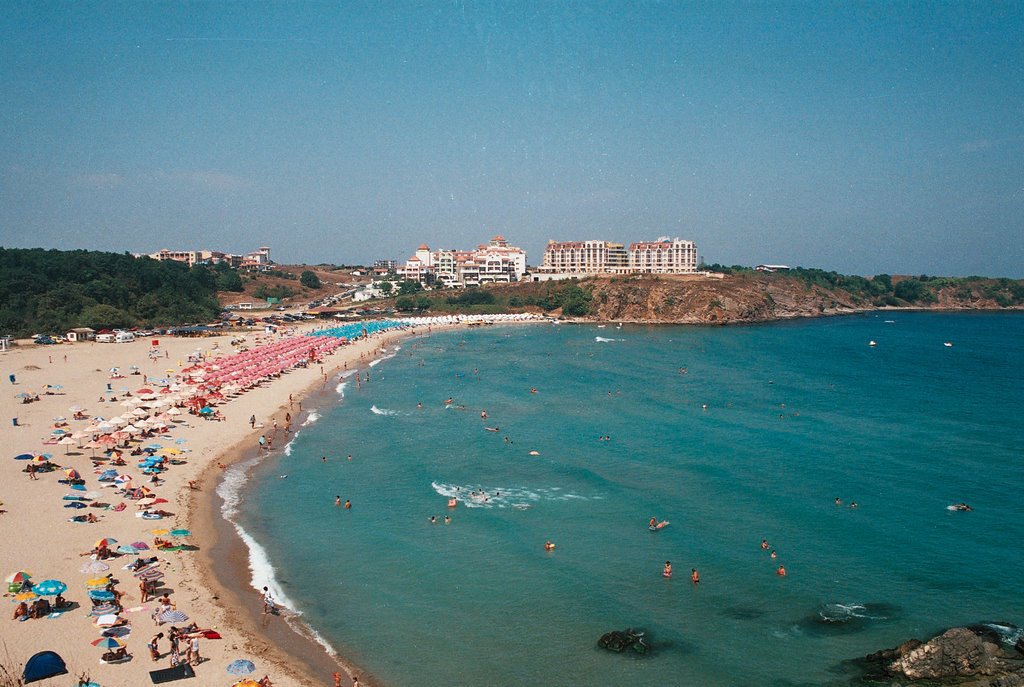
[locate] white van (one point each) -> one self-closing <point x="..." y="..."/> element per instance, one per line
<point x="104" y="338"/>
<point x="124" y="337"/>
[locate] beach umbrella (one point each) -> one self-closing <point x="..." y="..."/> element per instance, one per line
<point x="50" y="588"/>
<point x="106" y="541"/>
<point x="97" y="581"/>
<point x="123" y="479"/>
<point x="173" y="616"/>
<point x="94" y="567"/>
<point x="241" y="667"/>
<point x="108" y="643"/>
<point x="23" y="456"/>
<point x="78" y="487"/>
<point x="20" y="577"/>
<point x="25" y="596"/>
<point x="180" y="533"/>
<point x="72" y="473"/>
<point x="69" y="442"/>
<point x="101" y="595"/>
<point x="158" y="533"/>
<point x="144" y="391"/>
<point x="76" y="409"/>
<point x="246" y="683"/>
<point x="140" y="545"/>
<point x="149" y="575"/>
<point x="59" y="432"/>
<point x="127" y="549"/>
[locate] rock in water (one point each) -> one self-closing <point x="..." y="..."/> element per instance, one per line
<point x="978" y="656"/>
<point x="955" y="653"/>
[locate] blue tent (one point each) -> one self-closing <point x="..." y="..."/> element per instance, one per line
<point x="43" y="665"/>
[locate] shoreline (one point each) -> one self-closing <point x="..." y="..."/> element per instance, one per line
<point x="223" y="565"/>
<point x="210" y="584"/>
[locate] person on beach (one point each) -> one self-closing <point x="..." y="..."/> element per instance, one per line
<point x="268" y="601"/>
<point x="262" y="441"/>
<point x="154" y="646"/>
<point x="252" y="421"/>
<point x="192" y="655"/>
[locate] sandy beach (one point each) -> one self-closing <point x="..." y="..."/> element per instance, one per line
<point x="211" y="582"/>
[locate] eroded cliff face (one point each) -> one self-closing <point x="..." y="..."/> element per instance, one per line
<point x="702" y="300"/>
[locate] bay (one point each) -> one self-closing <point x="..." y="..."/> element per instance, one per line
<point x="733" y="434"/>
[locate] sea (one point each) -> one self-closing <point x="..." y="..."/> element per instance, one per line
<point x="842" y="442"/>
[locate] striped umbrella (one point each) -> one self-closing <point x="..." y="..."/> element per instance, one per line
<point x="108" y="643"/>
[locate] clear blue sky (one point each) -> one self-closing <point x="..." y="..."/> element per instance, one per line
<point x="861" y="137"/>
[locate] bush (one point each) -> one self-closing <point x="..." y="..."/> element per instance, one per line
<point x="309" y="280"/>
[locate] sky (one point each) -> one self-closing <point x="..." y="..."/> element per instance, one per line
<point x="865" y="137"/>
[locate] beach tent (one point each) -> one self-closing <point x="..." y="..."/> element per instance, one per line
<point x="43" y="665"/>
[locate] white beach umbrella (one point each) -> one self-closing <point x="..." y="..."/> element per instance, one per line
<point x="130" y="402"/>
<point x="173" y="411"/>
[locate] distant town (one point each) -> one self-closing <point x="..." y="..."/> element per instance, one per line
<point x="495" y="262"/>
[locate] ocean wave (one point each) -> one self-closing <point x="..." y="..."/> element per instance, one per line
<point x="310" y="419"/>
<point x="288" y="446"/>
<point x="519" y="498"/>
<point x="262" y="572"/>
<point x="303" y="629"/>
<point x="346" y="374"/>
<point x="601" y="339"/>
<point x="383" y="411"/>
<point x="340" y="389"/>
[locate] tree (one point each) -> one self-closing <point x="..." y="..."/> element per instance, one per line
<point x="385" y="287"/>
<point x="229" y="280"/>
<point x="405" y="303"/>
<point x="409" y="287"/>
<point x="309" y="280"/>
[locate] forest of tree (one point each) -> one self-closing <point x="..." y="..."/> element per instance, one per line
<point x="51" y="291"/>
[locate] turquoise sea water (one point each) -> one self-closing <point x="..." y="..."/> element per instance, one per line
<point x="797" y="414"/>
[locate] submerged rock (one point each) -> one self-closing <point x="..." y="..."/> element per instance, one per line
<point x="959" y="656"/>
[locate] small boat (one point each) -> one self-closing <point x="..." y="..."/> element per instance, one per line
<point x="948" y="344"/>
<point x="872" y="343"/>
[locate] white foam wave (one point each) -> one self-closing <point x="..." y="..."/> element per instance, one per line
<point x="375" y="362"/>
<point x="306" y="631"/>
<point x="383" y="411"/>
<point x="346" y="374"/>
<point x="601" y="339"/>
<point x="288" y="446"/>
<point x="519" y="498"/>
<point x="340" y="389"/>
<point x="263" y="574"/>
<point x="310" y="419"/>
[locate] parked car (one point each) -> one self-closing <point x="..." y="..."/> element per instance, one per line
<point x="45" y="340"/>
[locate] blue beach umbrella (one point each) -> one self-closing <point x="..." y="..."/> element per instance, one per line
<point x="180" y="533"/>
<point x="241" y="667"/>
<point x="101" y="595"/>
<point x="23" y="456"/>
<point x="50" y="588"/>
<point x="206" y="410"/>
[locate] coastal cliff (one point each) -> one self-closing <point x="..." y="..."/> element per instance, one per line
<point x="749" y="296"/>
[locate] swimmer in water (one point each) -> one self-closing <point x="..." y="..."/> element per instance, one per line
<point x="549" y="546"/>
<point x="433" y="519"/>
<point x="653" y="522"/>
<point x="447" y="519"/>
<point x="839" y="501"/>
<point x="774" y="555"/>
<point x="694" y="576"/>
<point x="337" y="500"/>
<point x="764" y="544"/>
<point x="348" y="505"/>
<point x="667" y="570"/>
<point x="781" y="571"/>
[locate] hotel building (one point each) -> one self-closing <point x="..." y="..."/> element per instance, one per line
<point x="497" y="262"/>
<point x="572" y="258"/>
